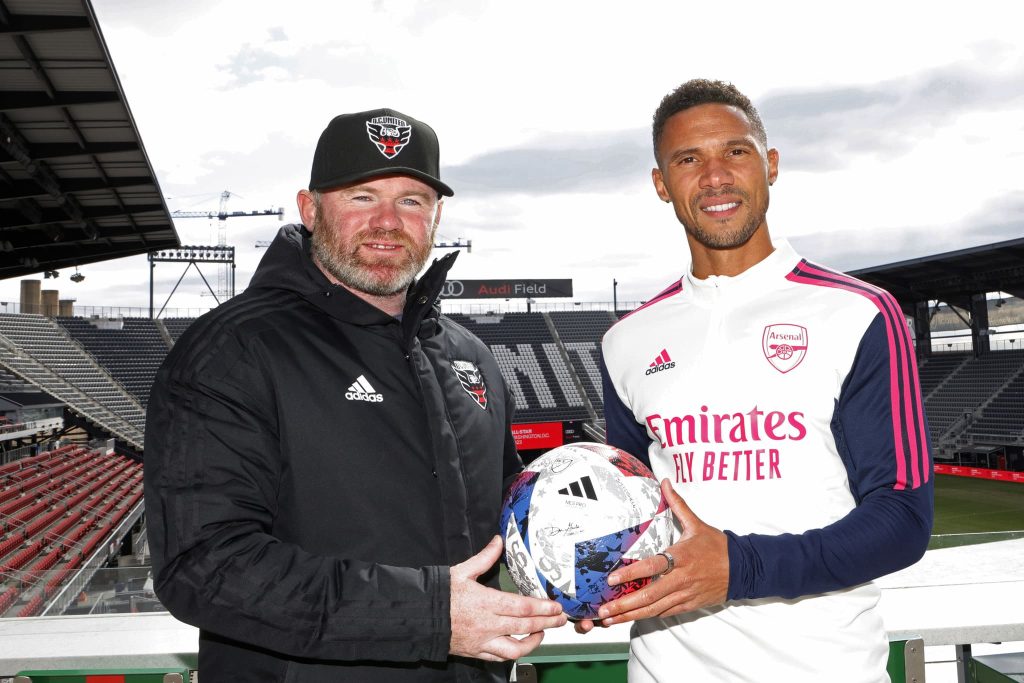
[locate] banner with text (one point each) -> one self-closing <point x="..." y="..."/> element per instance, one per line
<point x="980" y="473"/>
<point x="538" y="435"/>
<point x="534" y="437"/>
<point x="505" y="289"/>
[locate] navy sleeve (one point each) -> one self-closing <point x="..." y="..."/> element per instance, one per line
<point x="882" y="436"/>
<point x="621" y="428"/>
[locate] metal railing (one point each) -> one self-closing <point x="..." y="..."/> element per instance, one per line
<point x="109" y="311"/>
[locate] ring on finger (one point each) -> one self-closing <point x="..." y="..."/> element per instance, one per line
<point x="670" y="562"/>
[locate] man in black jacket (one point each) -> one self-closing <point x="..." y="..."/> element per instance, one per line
<point x="326" y="453"/>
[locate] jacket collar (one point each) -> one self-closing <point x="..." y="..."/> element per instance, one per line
<point x="419" y="318"/>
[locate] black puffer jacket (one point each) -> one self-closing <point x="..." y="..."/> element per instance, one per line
<point x="313" y="467"/>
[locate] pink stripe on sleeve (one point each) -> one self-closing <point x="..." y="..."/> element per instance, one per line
<point x="902" y="380"/>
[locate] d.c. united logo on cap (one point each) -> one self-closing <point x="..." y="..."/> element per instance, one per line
<point x="343" y="156"/>
<point x="389" y="133"/>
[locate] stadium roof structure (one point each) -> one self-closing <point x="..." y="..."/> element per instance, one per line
<point x="953" y="277"/>
<point x="76" y="185"/>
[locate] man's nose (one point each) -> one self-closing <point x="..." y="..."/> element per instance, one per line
<point x="715" y="173"/>
<point x="386" y="217"/>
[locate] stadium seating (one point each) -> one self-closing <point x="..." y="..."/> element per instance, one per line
<point x="11" y="383"/>
<point x="38" y="350"/>
<point x="935" y="369"/>
<point x="176" y="326"/>
<point x="1002" y="418"/>
<point x="975" y="398"/>
<point x="581" y="333"/>
<point x="550" y="361"/>
<point x="131" y="354"/>
<point x="533" y="365"/>
<point x="74" y="500"/>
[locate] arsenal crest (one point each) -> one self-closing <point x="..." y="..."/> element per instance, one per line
<point x="784" y="346"/>
<point x="472" y="381"/>
<point x="389" y="133"/>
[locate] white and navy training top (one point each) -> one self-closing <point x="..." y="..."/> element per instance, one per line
<point x="784" y="405"/>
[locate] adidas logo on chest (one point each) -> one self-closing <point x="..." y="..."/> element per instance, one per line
<point x="662" y="362"/>
<point x="361" y="390"/>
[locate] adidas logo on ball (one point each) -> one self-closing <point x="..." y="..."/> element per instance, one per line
<point x="584" y="488"/>
<point x="361" y="390"/>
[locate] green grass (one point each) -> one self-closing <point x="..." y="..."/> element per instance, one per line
<point x="970" y="511"/>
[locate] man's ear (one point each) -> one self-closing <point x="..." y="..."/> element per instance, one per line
<point x="307" y="208"/>
<point x="437" y="213"/>
<point x="659" y="185"/>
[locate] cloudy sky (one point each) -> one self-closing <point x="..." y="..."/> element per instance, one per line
<point x="900" y="125"/>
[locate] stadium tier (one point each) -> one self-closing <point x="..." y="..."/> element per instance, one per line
<point x="974" y="400"/>
<point x="59" y="513"/>
<point x="130" y="350"/>
<point x="39" y="351"/>
<point x="103" y="369"/>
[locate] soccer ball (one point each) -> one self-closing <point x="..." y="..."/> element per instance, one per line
<point x="575" y="514"/>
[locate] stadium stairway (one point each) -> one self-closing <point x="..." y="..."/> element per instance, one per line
<point x="579" y="333"/>
<point x="37" y="350"/>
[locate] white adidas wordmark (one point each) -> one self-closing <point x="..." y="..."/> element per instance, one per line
<point x="362" y="390"/>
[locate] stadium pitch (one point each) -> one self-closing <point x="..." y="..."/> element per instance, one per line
<point x="970" y="511"/>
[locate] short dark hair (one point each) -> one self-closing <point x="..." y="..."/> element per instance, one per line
<point x="702" y="91"/>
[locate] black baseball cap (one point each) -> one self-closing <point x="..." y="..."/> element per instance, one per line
<point x="373" y="143"/>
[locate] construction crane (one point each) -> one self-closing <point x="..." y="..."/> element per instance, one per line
<point x="225" y="284"/>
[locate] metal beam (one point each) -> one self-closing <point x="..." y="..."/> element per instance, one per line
<point x="117" y="196"/>
<point x="77" y="256"/>
<point x="27" y="24"/>
<point x="14" y="219"/>
<point x="23" y="189"/>
<point x="63" y="150"/>
<point x="35" y="65"/>
<point x="17" y="100"/>
<point x="57" y="234"/>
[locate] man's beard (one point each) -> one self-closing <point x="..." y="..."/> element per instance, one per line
<point x="343" y="260"/>
<point x="730" y="239"/>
